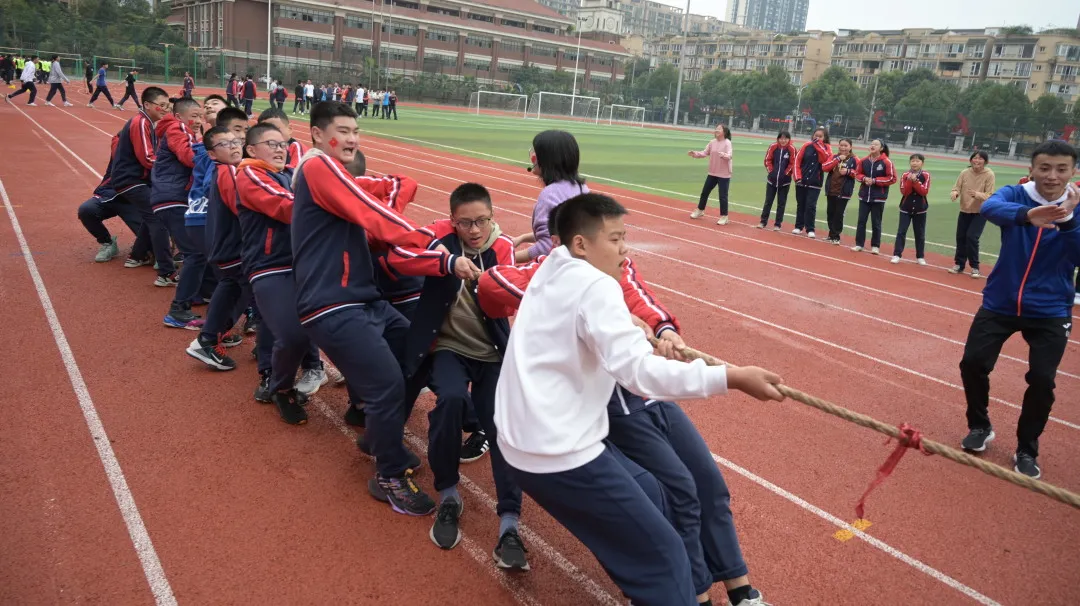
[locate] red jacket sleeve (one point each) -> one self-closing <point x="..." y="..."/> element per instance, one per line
<point x="180" y="139"/>
<point x="296" y="151"/>
<point x="338" y="193"/>
<point x="769" y="166"/>
<point x="923" y="187"/>
<point x="859" y="174"/>
<point x="890" y="173"/>
<point x="412" y="261"/>
<point x="141" y="134"/>
<point x="905" y="184"/>
<point x="643" y="303"/>
<point x="260" y="193"/>
<point x="226" y="183"/>
<point x="824" y="150"/>
<point x="394" y="191"/>
<point x="504" y="250"/>
<point x="830" y="164"/>
<point x="501" y="288"/>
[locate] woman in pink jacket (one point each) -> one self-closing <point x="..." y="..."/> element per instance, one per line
<point x="718" y="151"/>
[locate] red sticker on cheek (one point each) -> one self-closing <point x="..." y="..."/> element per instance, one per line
<point x="333" y="143"/>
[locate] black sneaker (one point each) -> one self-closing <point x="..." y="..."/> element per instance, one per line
<point x="289" y="407"/>
<point x="168" y="280"/>
<point x="474" y="447"/>
<point x="1027" y="465"/>
<point x="232" y="340"/>
<point x="414" y="461"/>
<point x="211" y="354"/>
<point x="405" y="496"/>
<point x="510" y="552"/>
<point x="251" y="322"/>
<point x="977" y="440"/>
<point x="444" y="532"/>
<point x="355" y="417"/>
<point x="262" y="392"/>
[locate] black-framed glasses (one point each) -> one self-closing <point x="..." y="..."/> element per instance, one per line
<point x="470" y="223"/>
<point x="230" y="143"/>
<point x="275" y="145"/>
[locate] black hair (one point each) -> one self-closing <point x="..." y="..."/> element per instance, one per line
<point x="584" y="214"/>
<point x="557" y="157"/>
<point x="215" y="132"/>
<point x="849" y="141"/>
<point x="255" y="133"/>
<point x="358" y="167"/>
<point x="825" y="131"/>
<point x="55" y="58"/>
<point x="985" y="156"/>
<point x="1051" y="148"/>
<point x="215" y="96"/>
<point x="917" y="156"/>
<point x="152" y="93"/>
<point x="783" y="134"/>
<point x="467" y="193"/>
<point x="272" y="112"/>
<point x="727" y="131"/>
<point x="324" y="113"/>
<point x="184" y="104"/>
<point x="229" y="114"/>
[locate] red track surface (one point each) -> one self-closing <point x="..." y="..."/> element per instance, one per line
<point x="241" y="508"/>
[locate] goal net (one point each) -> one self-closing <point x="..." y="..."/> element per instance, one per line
<point x="493" y="102"/>
<point x="624" y="114"/>
<point x="562" y="105"/>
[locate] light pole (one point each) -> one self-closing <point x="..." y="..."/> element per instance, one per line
<point x="269" y="39"/>
<point x="577" y="56"/>
<point x="682" y="54"/>
<point x="798" y="107"/>
<point x="166" y="45"/>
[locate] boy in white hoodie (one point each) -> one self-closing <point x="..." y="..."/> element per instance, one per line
<point x="573" y="340"/>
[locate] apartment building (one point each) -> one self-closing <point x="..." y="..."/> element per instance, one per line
<point x="804" y="56"/>
<point x="651" y="19"/>
<point x="772" y="15"/>
<point x="486" y="39"/>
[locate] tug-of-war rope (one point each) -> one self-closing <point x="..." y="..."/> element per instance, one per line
<point x="907" y="437"/>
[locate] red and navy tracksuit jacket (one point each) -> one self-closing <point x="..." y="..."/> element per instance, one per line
<point x="831" y="165"/>
<point x="808" y="161"/>
<point x="175" y="159"/>
<point x="883" y="173"/>
<point x="223" y="222"/>
<point x="396" y="287"/>
<point x="778" y="164"/>
<point x="134" y="157"/>
<point x="440" y="290"/>
<point x="334" y="215"/>
<point x="914" y="201"/>
<point x="295" y="151"/>
<point x="265" y="212"/>
<point x="105" y="191"/>
<point x="501" y="288"/>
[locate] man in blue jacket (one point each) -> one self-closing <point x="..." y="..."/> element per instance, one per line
<point x="1030" y="291"/>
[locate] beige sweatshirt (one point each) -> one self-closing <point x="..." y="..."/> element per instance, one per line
<point x="463" y="331"/>
<point x="974" y="188"/>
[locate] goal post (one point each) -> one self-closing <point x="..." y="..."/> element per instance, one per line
<point x="496" y="102"/>
<point x="625" y="114"/>
<point x="564" y="105"/>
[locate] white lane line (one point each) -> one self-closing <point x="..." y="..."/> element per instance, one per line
<point x="140" y="538"/>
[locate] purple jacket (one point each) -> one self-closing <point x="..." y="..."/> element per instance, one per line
<point x="550" y="197"/>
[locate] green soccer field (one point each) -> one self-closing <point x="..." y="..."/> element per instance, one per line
<point x="655" y="161"/>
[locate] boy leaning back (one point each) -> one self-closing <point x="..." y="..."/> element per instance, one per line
<point x="1030" y="291"/>
<point x="572" y="342"/>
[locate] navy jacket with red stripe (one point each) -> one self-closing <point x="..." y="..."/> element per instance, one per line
<point x="808" y="163"/>
<point x="915" y="193"/>
<point x="104" y="190"/>
<point x="265" y="211"/>
<point x="175" y="159"/>
<point x="334" y="215"/>
<point x="883" y="173"/>
<point x="134" y="158"/>
<point x="778" y="164"/>
<point x="223" y="222"/>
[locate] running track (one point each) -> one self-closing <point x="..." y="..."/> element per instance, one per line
<point x="135" y="475"/>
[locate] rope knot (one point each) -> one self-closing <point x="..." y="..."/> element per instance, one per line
<point x="909" y="438"/>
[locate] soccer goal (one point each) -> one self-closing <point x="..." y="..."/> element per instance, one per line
<point x="563" y="105"/>
<point x="494" y="102"/>
<point x="625" y="114"/>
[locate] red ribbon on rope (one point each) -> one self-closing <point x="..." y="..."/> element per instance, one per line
<point x="909" y="438"/>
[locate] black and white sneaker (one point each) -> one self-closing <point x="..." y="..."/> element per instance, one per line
<point x="474" y="447"/>
<point x="290" y="406"/>
<point x="444" y="531"/>
<point x="167" y="280"/>
<point x="262" y="392"/>
<point x="405" y="496"/>
<point x="1027" y="465"/>
<point x="510" y="553"/>
<point x="211" y="354"/>
<point x="977" y="440"/>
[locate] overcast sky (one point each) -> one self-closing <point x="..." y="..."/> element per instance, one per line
<point x="938" y="14"/>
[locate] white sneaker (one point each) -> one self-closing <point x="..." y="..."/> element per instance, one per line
<point x="68" y="104"/>
<point x="856" y="249"/>
<point x="796" y="231"/>
<point x="894" y="260"/>
<point x="90" y="105"/>
<point x="49" y="103"/>
<point x="975" y="273"/>
<point x="875" y="250"/>
<point x="107" y="252"/>
<point x="31" y="105"/>
<point x="921" y="261"/>
<point x="1076" y="299"/>
<point x="955" y="269"/>
<point x="723" y="220"/>
<point x="311" y="380"/>
<point x="776" y="228"/>
<point x="697" y="214"/>
<point x="811" y="235"/>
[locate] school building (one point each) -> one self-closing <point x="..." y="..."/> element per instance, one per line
<point x="486" y="39"/>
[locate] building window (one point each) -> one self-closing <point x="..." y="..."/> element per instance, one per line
<point x="304" y="42"/>
<point x="543" y="28"/>
<point x="512" y="46"/>
<point x="478" y="41"/>
<point x="477" y="64"/>
<point x="357" y="23"/>
<point x="438" y="10"/>
<point x="512" y="23"/>
<point x="397" y="55"/>
<point x="304" y="14"/>
<point x="442" y="35"/>
<point x="401" y="30"/>
<point x="484" y="18"/>
<point x="540" y="50"/>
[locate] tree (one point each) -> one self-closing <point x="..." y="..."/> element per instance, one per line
<point x="1048" y="113"/>
<point x="834" y="92"/>
<point x="1001" y="108"/>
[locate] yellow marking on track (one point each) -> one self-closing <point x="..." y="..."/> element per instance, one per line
<point x="845" y="535"/>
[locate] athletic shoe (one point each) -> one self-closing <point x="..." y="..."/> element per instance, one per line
<point x="757" y="600"/>
<point x="414" y="461"/>
<point x="31" y="105"/>
<point x="132" y="262"/>
<point x="875" y="251"/>
<point x="444" y="531"/>
<point x="894" y="260"/>
<point x="811" y="235"/>
<point x="405" y="496"/>
<point x="90" y="105"/>
<point x="723" y="220"/>
<point x="510" y="552"/>
<point x="168" y="280"/>
<point x="921" y="261"/>
<point x="355" y="417"/>
<point x="333" y="374"/>
<point x="1027" y="465"/>
<point x="211" y="354"/>
<point x="977" y="440"/>
<point x="67" y="104"/>
<point x="474" y="447"/>
<point x="762" y="225"/>
<point x="251" y="322"/>
<point x="180" y="317"/>
<point x="107" y="251"/>
<point x="1076" y="299"/>
<point x="262" y="392"/>
<point x="311" y="379"/>
<point x="955" y="269"/>
<point x="232" y="340"/>
<point x="289" y="406"/>
<point x="49" y="103"/>
<point x="856" y="249"/>
<point x="796" y="231"/>
<point x="975" y="274"/>
<point x="697" y="214"/>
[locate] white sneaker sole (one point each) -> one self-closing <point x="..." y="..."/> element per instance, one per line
<point x="1017" y="470"/>
<point x="989" y="438"/>
<point x="195" y="351"/>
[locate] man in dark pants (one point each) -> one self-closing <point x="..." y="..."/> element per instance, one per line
<point x="338" y="301"/>
<point x="1029" y="291"/>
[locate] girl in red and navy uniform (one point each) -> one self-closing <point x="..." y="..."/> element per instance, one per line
<point x="915" y="189"/>
<point x="839" y="186"/>
<point x="779" y="163"/>
<point x="876" y="173"/>
<point x="808" y="180"/>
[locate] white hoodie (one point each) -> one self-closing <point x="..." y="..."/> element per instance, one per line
<point x="572" y="341"/>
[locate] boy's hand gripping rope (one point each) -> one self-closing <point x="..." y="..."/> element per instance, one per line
<point x="907" y="437"/>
